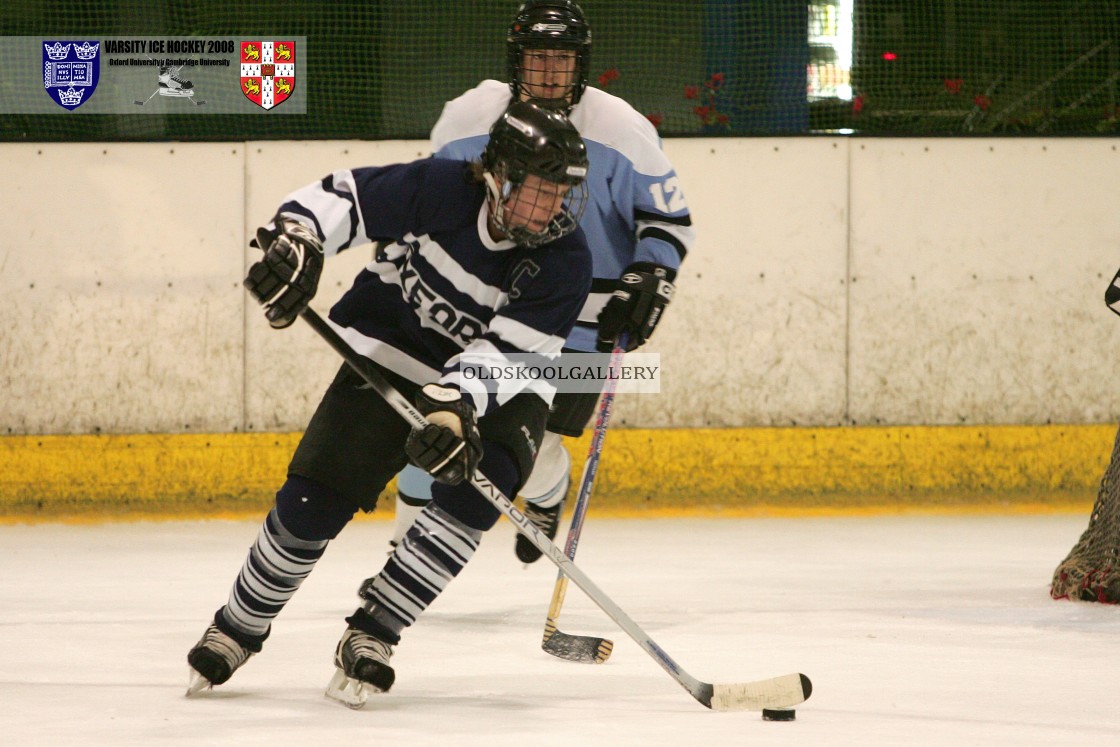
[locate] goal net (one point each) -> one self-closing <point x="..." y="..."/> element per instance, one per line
<point x="1091" y="571"/>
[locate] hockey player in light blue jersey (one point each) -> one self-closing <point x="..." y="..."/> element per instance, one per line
<point x="637" y="224"/>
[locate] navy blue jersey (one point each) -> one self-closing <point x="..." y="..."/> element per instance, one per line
<point x="442" y="292"/>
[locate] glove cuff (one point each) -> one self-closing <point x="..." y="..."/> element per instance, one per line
<point x="652" y="268"/>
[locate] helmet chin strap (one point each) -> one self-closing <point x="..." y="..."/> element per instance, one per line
<point x="499" y="192"/>
<point x="497" y="195"/>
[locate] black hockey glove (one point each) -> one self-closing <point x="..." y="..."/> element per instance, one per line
<point x="285" y="280"/>
<point x="645" y="289"/>
<point x="1112" y="295"/>
<point x="449" y="447"/>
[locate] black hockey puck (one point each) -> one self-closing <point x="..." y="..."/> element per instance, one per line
<point x="778" y="714"/>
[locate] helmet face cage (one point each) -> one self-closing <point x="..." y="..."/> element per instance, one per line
<point x="528" y="140"/>
<point x="511" y="202"/>
<point x="548" y="24"/>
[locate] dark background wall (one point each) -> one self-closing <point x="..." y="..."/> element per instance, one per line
<point x="382" y="70"/>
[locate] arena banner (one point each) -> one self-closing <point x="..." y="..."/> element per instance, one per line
<point x="92" y="74"/>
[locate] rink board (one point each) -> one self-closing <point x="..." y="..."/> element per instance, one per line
<point x="773" y="471"/>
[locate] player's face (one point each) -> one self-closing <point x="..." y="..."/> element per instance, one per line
<point x="534" y="203"/>
<point x="548" y="74"/>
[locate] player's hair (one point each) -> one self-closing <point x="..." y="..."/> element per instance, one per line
<point x="549" y="24"/>
<point x="528" y="139"/>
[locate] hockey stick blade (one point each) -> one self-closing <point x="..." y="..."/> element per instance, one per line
<point x="788" y="690"/>
<point x="776" y="692"/>
<point x="583" y="649"/>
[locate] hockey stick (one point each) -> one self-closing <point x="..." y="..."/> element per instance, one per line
<point x="583" y="648"/>
<point x="776" y="692"/>
<point x="138" y="102"/>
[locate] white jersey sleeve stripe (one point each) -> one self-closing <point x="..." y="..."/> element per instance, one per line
<point x="593" y="306"/>
<point x="524" y="337"/>
<point x="335" y="211"/>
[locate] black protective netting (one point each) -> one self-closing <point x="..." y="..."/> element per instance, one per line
<point x="380" y="70"/>
<point x="987" y="66"/>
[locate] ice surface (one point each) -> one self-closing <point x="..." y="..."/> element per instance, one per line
<point x="916" y="631"/>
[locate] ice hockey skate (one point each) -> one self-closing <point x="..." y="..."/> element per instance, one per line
<point x="362" y="662"/>
<point x="171" y="85"/>
<point x="214" y="659"/>
<point x="545" y="519"/>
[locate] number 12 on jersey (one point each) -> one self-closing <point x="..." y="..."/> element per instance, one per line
<point x="667" y="196"/>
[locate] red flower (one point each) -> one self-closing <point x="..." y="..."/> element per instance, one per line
<point x="708" y="96"/>
<point x="608" y="76"/>
<point x="953" y="85"/>
<point x="655" y="119"/>
<point x="982" y="101"/>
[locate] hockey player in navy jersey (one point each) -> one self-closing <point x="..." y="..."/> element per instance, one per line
<point x="637" y="224"/>
<point x="479" y="260"/>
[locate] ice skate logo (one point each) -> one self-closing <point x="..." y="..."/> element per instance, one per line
<point x="170" y="84"/>
<point x="71" y="70"/>
<point x="268" y="72"/>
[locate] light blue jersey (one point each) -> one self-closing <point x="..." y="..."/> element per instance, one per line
<point x="637" y="211"/>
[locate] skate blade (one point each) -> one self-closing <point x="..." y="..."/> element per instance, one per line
<point x="349" y="691"/>
<point x="197" y="683"/>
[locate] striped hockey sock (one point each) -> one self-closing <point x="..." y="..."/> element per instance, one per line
<point x="433" y="552"/>
<point x="277" y="564"/>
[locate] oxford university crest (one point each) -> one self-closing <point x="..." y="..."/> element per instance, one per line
<point x="70" y="71"/>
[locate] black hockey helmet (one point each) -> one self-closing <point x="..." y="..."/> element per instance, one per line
<point x="528" y="139"/>
<point x="549" y="24"/>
